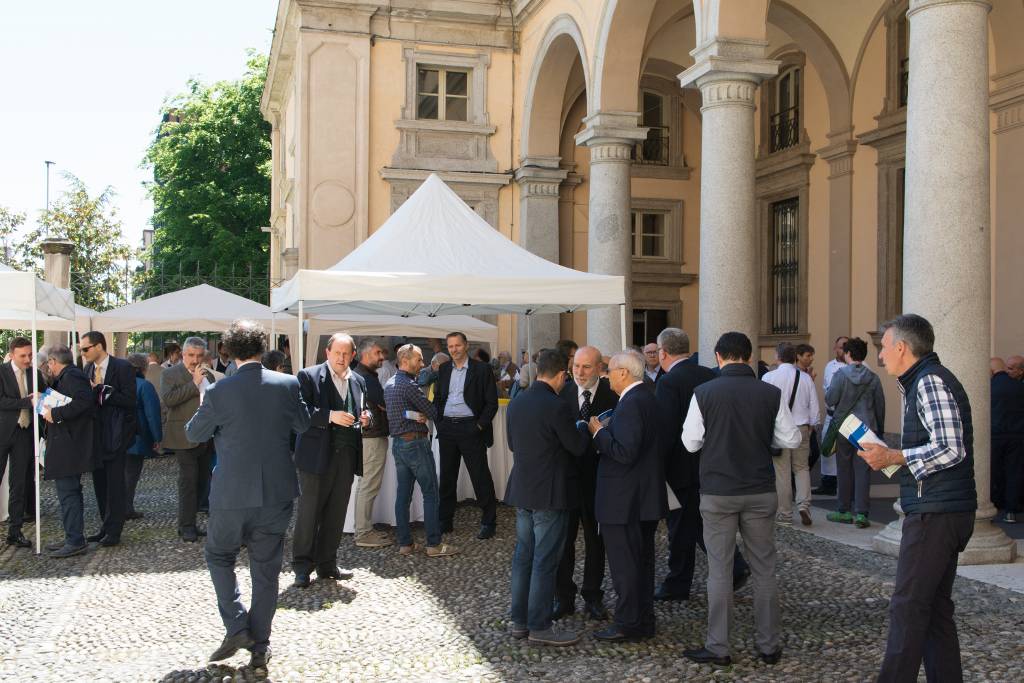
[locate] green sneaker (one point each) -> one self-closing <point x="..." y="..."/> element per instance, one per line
<point x="861" y="521"/>
<point x="841" y="517"/>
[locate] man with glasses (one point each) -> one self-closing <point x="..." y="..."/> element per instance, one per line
<point x="113" y="384"/>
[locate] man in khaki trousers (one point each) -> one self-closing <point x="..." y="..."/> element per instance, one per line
<point x="375" y="447"/>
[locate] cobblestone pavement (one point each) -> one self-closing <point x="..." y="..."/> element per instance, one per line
<point x="145" y="611"/>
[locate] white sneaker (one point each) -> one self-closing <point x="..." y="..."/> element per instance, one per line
<point x="784" y="520"/>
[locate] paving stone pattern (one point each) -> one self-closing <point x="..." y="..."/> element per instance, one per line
<point x="145" y="611"/>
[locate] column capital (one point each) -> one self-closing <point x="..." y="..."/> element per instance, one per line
<point x="1006" y="100"/>
<point x="57" y="246"/>
<point x="839" y="157"/>
<point x="610" y="135"/>
<point x="921" y="5"/>
<point x="729" y="61"/>
<point x="538" y="181"/>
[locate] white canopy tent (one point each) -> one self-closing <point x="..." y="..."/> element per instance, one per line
<point x="24" y="300"/>
<point x="436" y="256"/>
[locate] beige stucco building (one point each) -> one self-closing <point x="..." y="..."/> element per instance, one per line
<point x="796" y="170"/>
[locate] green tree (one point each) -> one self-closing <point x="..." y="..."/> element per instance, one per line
<point x="10" y="224"/>
<point x="211" y="167"/>
<point x="100" y="259"/>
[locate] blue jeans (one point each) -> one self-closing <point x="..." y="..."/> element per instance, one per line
<point x="540" y="536"/>
<point x="69" y="492"/>
<point x="414" y="464"/>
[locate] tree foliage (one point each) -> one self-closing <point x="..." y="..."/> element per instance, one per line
<point x="10" y="224"/>
<point x="211" y="162"/>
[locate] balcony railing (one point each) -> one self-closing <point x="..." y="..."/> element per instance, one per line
<point x="785" y="129"/>
<point x="654" y="151"/>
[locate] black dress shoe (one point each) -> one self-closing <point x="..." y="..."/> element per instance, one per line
<point x="486" y="531"/>
<point x="613" y="634"/>
<point x="18" y="540"/>
<point x="705" y="656"/>
<point x="772" y="658"/>
<point x="595" y="610"/>
<point x="109" y="542"/>
<point x="188" y="534"/>
<point x="95" y="538"/>
<point x="335" y="573"/>
<point x="134" y="514"/>
<point x="57" y="545"/>
<point x="740" y="580"/>
<point x="665" y="595"/>
<point x="68" y="551"/>
<point x="562" y="609"/>
<point x="259" y="659"/>
<point x="231" y="645"/>
<point x="301" y="581"/>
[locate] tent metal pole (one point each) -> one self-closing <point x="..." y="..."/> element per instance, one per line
<point x="35" y="426"/>
<point x="302" y="344"/>
<point x="273" y="331"/>
<point x="622" y="316"/>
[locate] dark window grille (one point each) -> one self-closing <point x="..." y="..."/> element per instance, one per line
<point x="654" y="151"/>
<point x="785" y="129"/>
<point x="785" y="272"/>
<point x="904" y="81"/>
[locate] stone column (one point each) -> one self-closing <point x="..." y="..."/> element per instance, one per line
<point x="839" y="156"/>
<point x="539" y="179"/>
<point x="57" y="271"/>
<point x="610" y="136"/>
<point x="946" y="253"/>
<point x="727" y="73"/>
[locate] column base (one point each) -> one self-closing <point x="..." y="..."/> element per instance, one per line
<point x="988" y="545"/>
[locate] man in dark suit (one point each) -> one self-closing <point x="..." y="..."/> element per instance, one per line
<point x="16" y="448"/>
<point x="674" y="391"/>
<point x="653" y="370"/>
<point x="543" y="485"/>
<point x="69" y="447"/>
<point x="631" y="496"/>
<point x="466" y="399"/>
<point x="113" y="384"/>
<point x="328" y="456"/>
<point x="587" y="396"/>
<point x="250" y="416"/>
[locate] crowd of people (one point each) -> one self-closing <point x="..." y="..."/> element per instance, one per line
<point x="602" y="442"/>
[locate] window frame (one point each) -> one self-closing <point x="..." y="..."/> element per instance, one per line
<point x="672" y="210"/>
<point x="476" y="65"/>
<point x="442" y="94"/>
<point x="768" y="108"/>
<point x="675" y="167"/>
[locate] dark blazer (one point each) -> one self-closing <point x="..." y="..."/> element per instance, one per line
<point x="480" y="394"/>
<point x="147" y="414"/>
<point x="603" y="399"/>
<point x="544" y="440"/>
<point x="116" y="419"/>
<point x="630" y="470"/>
<point x="70" y="438"/>
<point x="11" y="402"/>
<point x="250" y="417"/>
<point x="313" y="448"/>
<point x="674" y="391"/>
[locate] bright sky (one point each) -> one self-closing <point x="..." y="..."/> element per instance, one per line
<point x="83" y="84"/>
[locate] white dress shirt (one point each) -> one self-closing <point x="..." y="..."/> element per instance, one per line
<point x="653" y="374"/>
<point x="340" y="381"/>
<point x="785" y="434"/>
<point x="831" y="369"/>
<point x="805" y="406"/>
<point x="102" y="368"/>
<point x="579" y="393"/>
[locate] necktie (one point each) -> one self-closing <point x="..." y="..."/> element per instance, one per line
<point x="585" y="408"/>
<point x="98" y="375"/>
<point x="23" y="416"/>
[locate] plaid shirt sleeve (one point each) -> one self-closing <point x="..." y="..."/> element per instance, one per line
<point x="940" y="415"/>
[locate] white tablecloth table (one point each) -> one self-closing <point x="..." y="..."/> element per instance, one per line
<point x="499" y="459"/>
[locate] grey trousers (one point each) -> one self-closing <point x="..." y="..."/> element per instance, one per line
<point x="262" y="531"/>
<point x="754" y="517"/>
<point x="854" y="479"/>
<point x="375" y="455"/>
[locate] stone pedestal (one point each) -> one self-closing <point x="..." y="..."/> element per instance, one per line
<point x="539" y="179"/>
<point x="946" y="254"/>
<point x="610" y="137"/>
<point x="57" y="271"/>
<point x="727" y="73"/>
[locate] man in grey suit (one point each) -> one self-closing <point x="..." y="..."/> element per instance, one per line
<point x="250" y="416"/>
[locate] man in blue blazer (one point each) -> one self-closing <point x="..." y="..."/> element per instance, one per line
<point x="250" y="416"/>
<point x="329" y="455"/>
<point x="113" y="382"/>
<point x="631" y="496"/>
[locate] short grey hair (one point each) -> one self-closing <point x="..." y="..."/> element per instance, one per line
<point x="196" y="342"/>
<point x="407" y="352"/>
<point x="60" y="354"/>
<point x="368" y="345"/>
<point x="439" y="357"/>
<point x="674" y="341"/>
<point x="139" y="361"/>
<point x="632" y="361"/>
<point x="342" y="337"/>
<point x="914" y="330"/>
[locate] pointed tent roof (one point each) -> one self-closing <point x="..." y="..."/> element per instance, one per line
<point x="196" y="309"/>
<point x="22" y="293"/>
<point x="436" y="256"/>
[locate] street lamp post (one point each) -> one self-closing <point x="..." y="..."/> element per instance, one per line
<point x="48" y="165"/>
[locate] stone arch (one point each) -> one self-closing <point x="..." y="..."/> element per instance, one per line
<point x="744" y="19"/>
<point x="624" y="24"/>
<point x="558" y="53"/>
<point x="822" y="53"/>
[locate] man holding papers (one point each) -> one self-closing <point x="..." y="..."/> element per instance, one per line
<point x="938" y="496"/>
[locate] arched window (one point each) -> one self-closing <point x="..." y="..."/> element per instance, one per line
<point x="785" y="118"/>
<point x="903" y="57"/>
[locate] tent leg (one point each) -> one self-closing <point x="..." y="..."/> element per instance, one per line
<point x="35" y="430"/>
<point x="273" y="331"/>
<point x="622" y="316"/>
<point x="302" y="345"/>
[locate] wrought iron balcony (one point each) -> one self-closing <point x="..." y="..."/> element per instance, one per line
<point x="654" y="151"/>
<point x="785" y="129"/>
